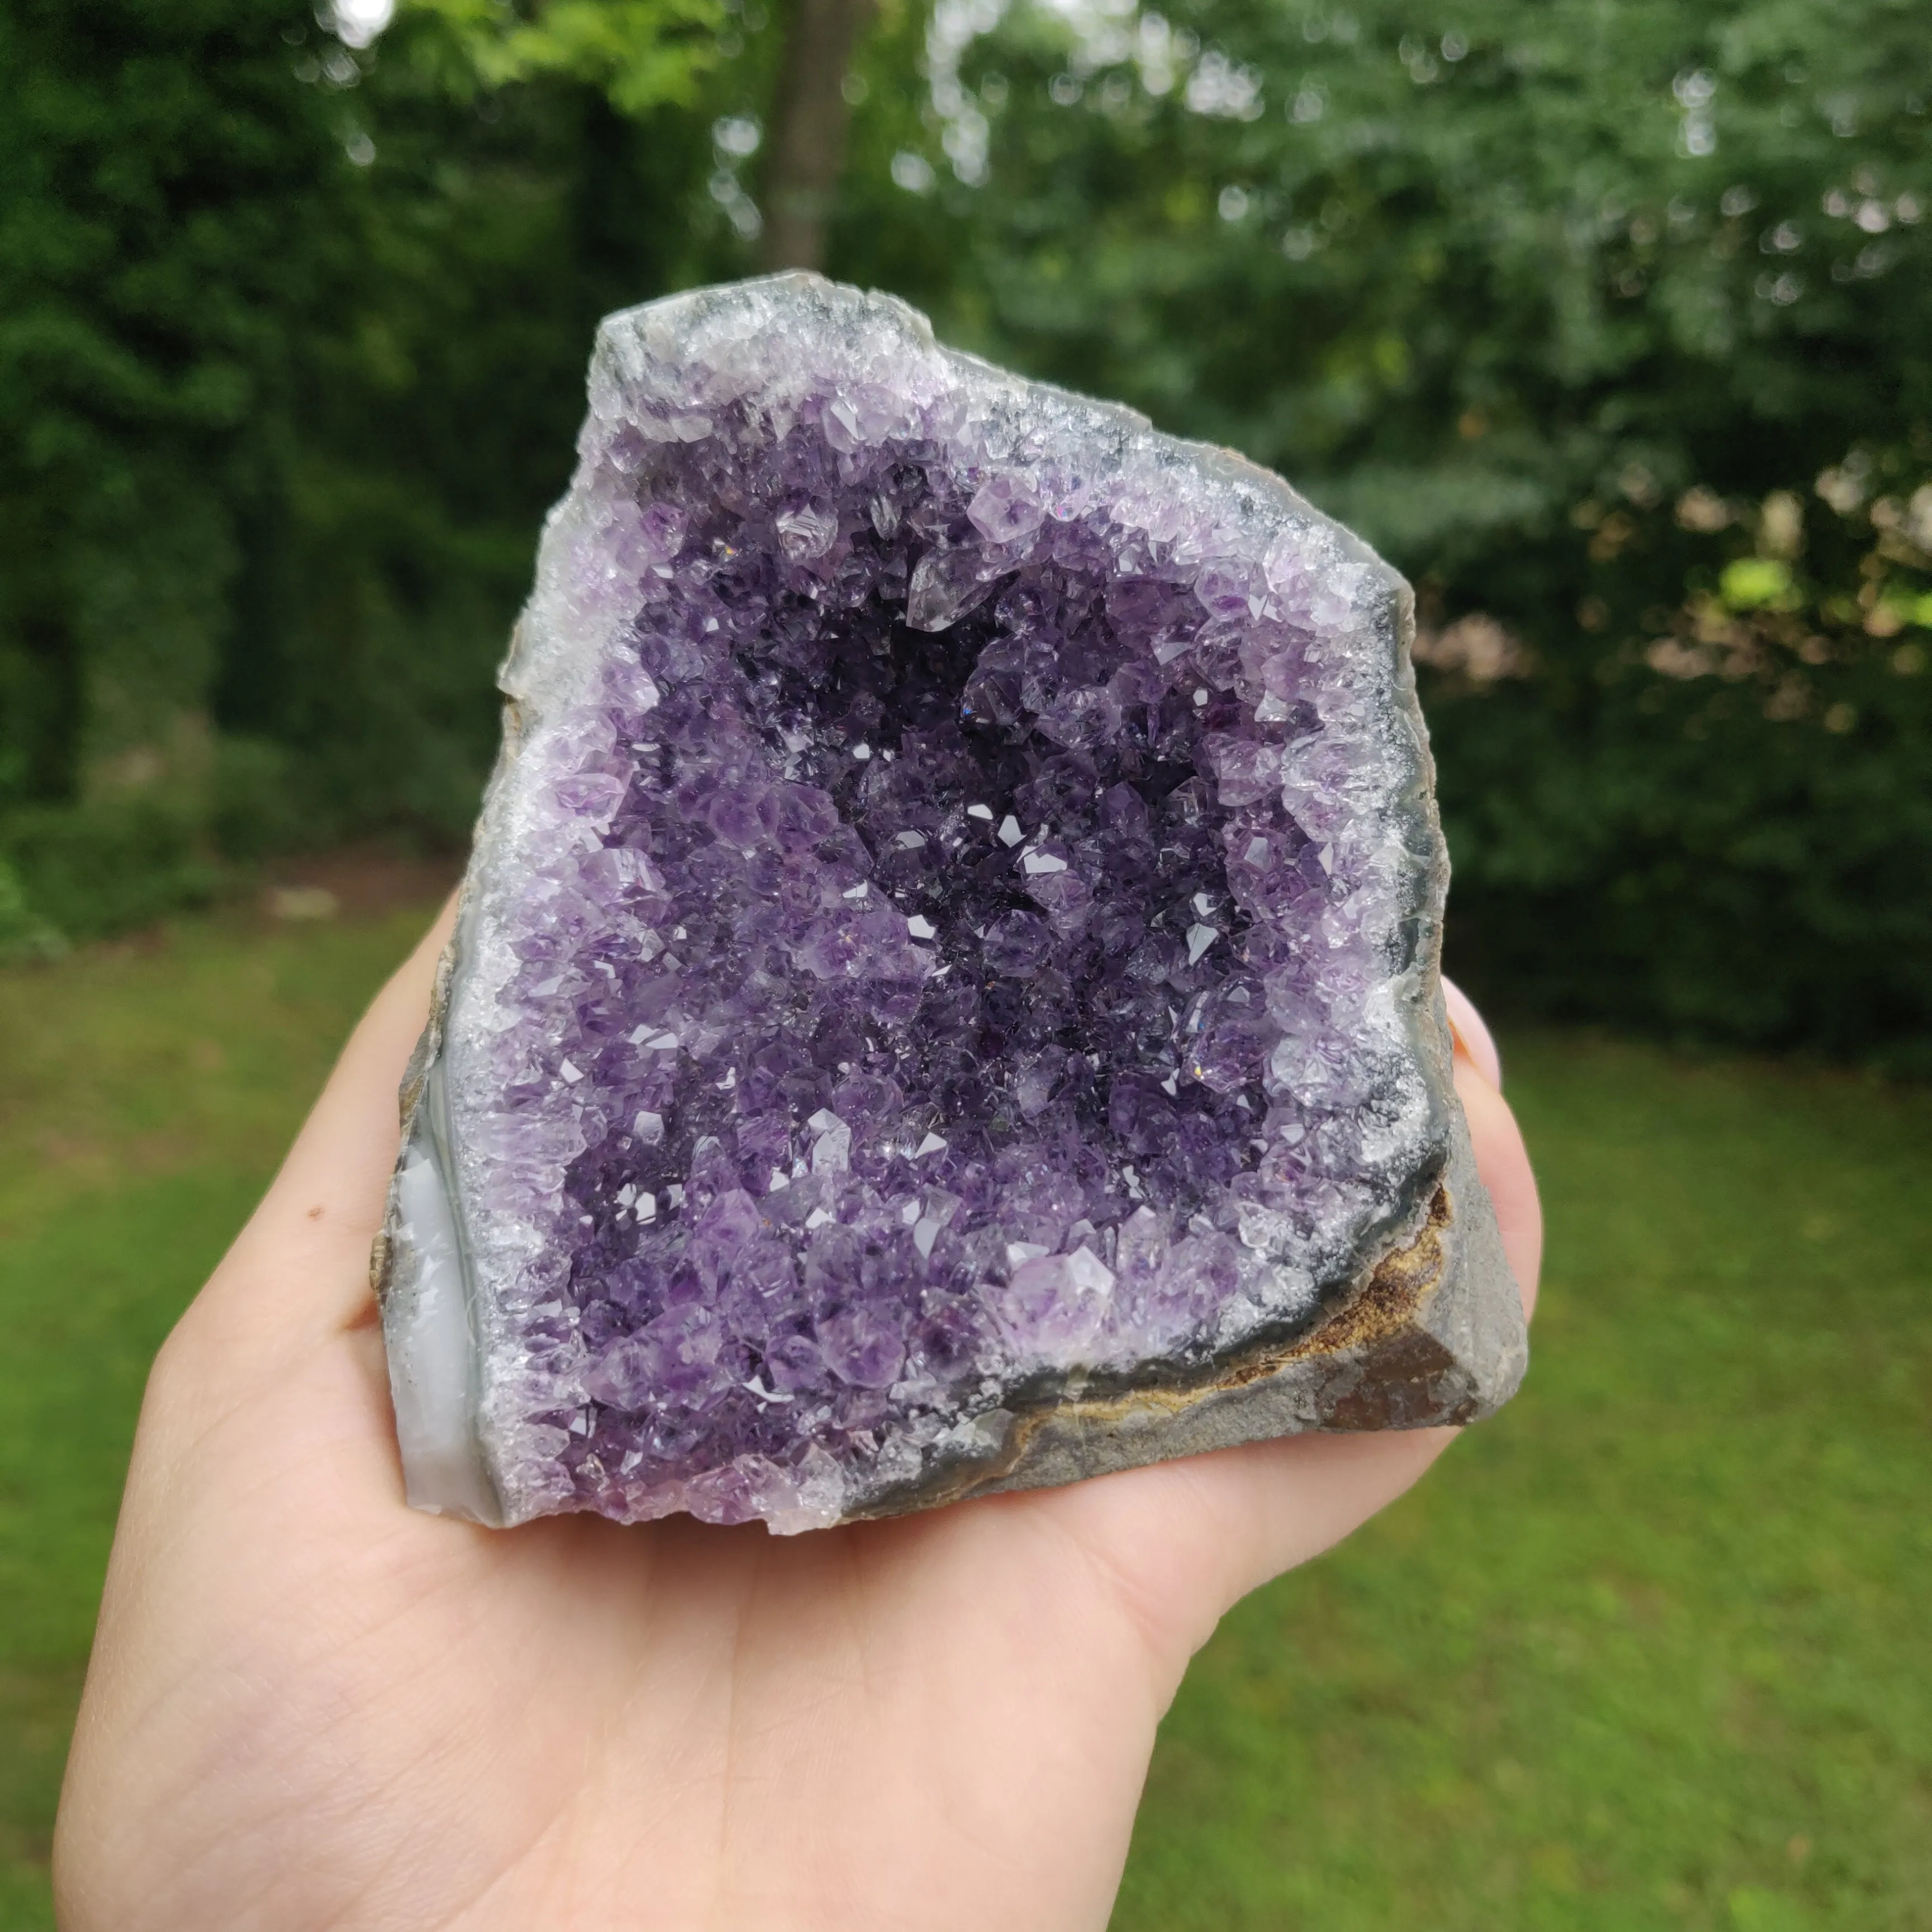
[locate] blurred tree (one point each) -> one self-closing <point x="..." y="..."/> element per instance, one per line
<point x="810" y="111"/>
<point x="156" y="162"/>
<point x="1582" y="311"/>
<point x="155" y="171"/>
<point x="641" y="54"/>
<point x="278" y="417"/>
<point x="1603" y="317"/>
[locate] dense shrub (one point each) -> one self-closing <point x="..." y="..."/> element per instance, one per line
<point x="1604" y="320"/>
<point x="279" y="414"/>
<point x="24" y="934"/>
<point x="101" y="867"/>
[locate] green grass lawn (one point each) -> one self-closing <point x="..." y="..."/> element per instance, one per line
<point x="1654" y="1648"/>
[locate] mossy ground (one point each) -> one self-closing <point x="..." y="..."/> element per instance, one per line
<point x="1652" y="1649"/>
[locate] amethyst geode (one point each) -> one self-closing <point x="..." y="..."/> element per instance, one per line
<point x="946" y="996"/>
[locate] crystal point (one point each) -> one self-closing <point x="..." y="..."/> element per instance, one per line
<point x="945" y="995"/>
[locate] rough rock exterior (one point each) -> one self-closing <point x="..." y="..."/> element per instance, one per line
<point x="946" y="996"/>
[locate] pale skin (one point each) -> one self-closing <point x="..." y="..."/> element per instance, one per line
<point x="311" y="1707"/>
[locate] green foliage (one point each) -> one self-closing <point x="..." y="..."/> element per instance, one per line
<point x="154" y="159"/>
<point x="1728" y="828"/>
<point x="1583" y="312"/>
<point x="102" y="867"/>
<point x="24" y="934"/>
<point x="641" y="53"/>
<point x="1459" y="295"/>
<point x="1648" y="1650"/>
<point x="279" y="414"/>
<point x="1602" y="318"/>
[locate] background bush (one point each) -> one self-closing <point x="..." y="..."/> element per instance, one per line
<point x="1604" y="321"/>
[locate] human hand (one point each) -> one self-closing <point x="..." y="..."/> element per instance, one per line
<point x="312" y="1707"/>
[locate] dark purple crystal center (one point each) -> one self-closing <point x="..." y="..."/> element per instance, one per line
<point x="933" y="986"/>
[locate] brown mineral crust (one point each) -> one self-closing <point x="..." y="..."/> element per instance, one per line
<point x="1385" y="1370"/>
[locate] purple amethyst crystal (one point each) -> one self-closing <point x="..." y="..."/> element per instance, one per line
<point x="945" y="995"/>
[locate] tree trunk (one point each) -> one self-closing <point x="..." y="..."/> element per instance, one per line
<point x="808" y="124"/>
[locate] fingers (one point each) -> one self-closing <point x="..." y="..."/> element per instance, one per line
<point x="1503" y="1161"/>
<point x="1184" y="1541"/>
<point x="299" y="1270"/>
<point x="1470" y="1034"/>
<point x="1276" y="1504"/>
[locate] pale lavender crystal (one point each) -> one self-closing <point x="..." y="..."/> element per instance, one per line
<point x="955" y="921"/>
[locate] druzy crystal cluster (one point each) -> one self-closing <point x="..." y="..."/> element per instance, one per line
<point x="952" y="936"/>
